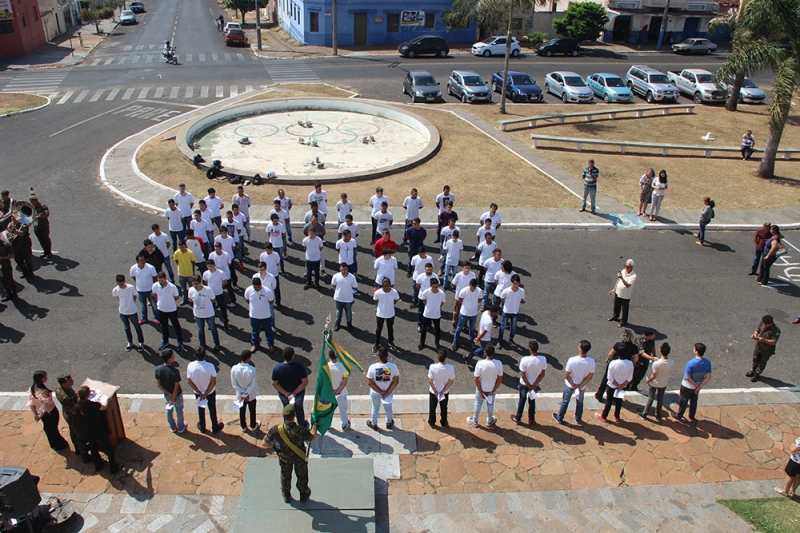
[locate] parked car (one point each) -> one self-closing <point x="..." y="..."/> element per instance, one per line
<point x="694" y="46"/>
<point x="750" y="93"/>
<point x="521" y="87"/>
<point x="127" y="17"/>
<point x="424" y="45"/>
<point x="568" y="86"/>
<point x="231" y="26"/>
<point x="697" y="84"/>
<point x="137" y="7"/>
<point x="559" y="45"/>
<point x="235" y="37"/>
<point x="609" y="87"/>
<point x="496" y="46"/>
<point x="421" y="86"/>
<point x="653" y="85"/>
<point x="468" y="86"/>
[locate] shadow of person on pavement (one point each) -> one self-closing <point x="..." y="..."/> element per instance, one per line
<point x="62" y="264"/>
<point x="30" y="311"/>
<point x="329" y="519"/>
<point x="556" y="434"/>
<point x="9" y="335"/>
<point x="53" y="286"/>
<point x="133" y="458"/>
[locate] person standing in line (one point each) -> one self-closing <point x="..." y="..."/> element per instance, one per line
<point x="162" y="241"/>
<point x="484" y="337"/>
<point x="175" y="222"/>
<point x="792" y="470"/>
<point x="168" y="380"/>
<point x="202" y="378"/>
<point x="502" y="280"/>
<point x="216" y="280"/>
<point x="167" y="297"/>
<point x="433" y="299"/>
<point x="412" y="204"/>
<point x="748" y="145"/>
<point x="215" y="206"/>
<point x="271" y="262"/>
<point x="645" y="191"/>
<point x="590" y="175"/>
<point x="705" y="219"/>
<point x="620" y="374"/>
<point x="260" y="300"/>
<point x="347" y="251"/>
<point x="383" y="378"/>
<point x="385" y="267"/>
<point x="245" y="203"/>
<point x="196" y="246"/>
<point x="203" y="301"/>
<point x="290" y="380"/>
<point x="144" y="275"/>
<point x="440" y="378"/>
<point x="492" y="215"/>
<point x="452" y="251"/>
<point x="484" y="252"/>
<point x="384" y="242"/>
<point x="7" y="271"/>
<point x="447" y="220"/>
<point x="321" y="197"/>
<point x="203" y="231"/>
<point x="488" y="377"/>
<point x="152" y="254"/>
<point x="343" y="207"/>
<point x="646" y="346"/>
<point x="759" y="239"/>
<point x="313" y="247"/>
<point x="41" y="226"/>
<point x="68" y="399"/>
<point x="624" y="348"/>
<point x="223" y="260"/>
<point x="467" y="302"/>
<point x="622" y="291"/>
<point x="276" y="234"/>
<point x="185" y="261"/>
<point x="696" y="376"/>
<point x="414" y="236"/>
<point x="286" y="205"/>
<point x="386" y="298"/>
<point x="578" y="372"/>
<point x="442" y="199"/>
<point x="269" y="281"/>
<point x="289" y="439"/>
<point x="418" y="264"/>
<point x="766" y="336"/>
<point x="23" y="248"/>
<point x="126" y="294"/>
<point x="532" y="369"/>
<point x="352" y="227"/>
<point x="235" y="228"/>
<point x="374" y="203"/>
<point x="460" y="282"/>
<point x="384" y="219"/>
<point x="659" y="190"/>
<point x="185" y="203"/>
<point x="344" y="286"/>
<point x="41" y="403"/>
<point x="771" y="248"/>
<point x="658" y="380"/>
<point x="491" y="267"/>
<point x="245" y="382"/>
<point x="96" y="431"/>
<point x="511" y="298"/>
<point x="339" y="377"/>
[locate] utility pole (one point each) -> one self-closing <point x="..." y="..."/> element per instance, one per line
<point x="663" y="26"/>
<point x="258" y="26"/>
<point x="333" y="21"/>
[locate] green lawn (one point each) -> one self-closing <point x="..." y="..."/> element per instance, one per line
<point x="768" y="515"/>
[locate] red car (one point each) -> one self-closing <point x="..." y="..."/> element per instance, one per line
<point x="234" y="36"/>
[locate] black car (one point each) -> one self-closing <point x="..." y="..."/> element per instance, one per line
<point x="559" y="45"/>
<point x="137" y="7"/>
<point x="430" y="45"/>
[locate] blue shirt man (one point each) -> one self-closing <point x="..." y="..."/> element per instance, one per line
<point x="696" y="375"/>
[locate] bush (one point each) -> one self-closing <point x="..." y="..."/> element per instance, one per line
<point x="535" y="38"/>
<point x="583" y="21"/>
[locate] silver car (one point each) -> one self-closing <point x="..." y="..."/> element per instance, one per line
<point x="750" y="93"/>
<point x="421" y="86"/>
<point x="468" y="86"/>
<point x="568" y="86"/>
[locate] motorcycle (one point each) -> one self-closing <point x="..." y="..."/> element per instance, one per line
<point x="170" y="56"/>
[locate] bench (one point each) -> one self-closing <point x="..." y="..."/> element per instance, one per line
<point x="664" y="147"/>
<point x="639" y="112"/>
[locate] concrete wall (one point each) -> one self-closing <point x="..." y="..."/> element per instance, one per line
<point x="28" y="32"/>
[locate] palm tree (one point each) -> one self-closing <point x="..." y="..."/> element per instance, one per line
<point x="511" y="4"/>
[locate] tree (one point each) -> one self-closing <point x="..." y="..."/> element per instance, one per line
<point x="486" y="14"/>
<point x="583" y="21"/>
<point x="510" y="5"/>
<point x="242" y="6"/>
<point x="91" y="13"/>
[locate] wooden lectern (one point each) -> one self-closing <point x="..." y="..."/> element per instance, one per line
<point x="106" y="395"/>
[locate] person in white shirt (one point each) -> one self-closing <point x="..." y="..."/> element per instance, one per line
<point x="175" y="219"/>
<point x="440" y="379"/>
<point x="162" y="242"/>
<point x="236" y="232"/>
<point x="244" y="202"/>
<point x="422" y="282"/>
<point x="260" y="300"/>
<point x="492" y="215"/>
<point x="384" y="219"/>
<point x="271" y="261"/>
<point x="445" y="234"/>
<point x="313" y="247"/>
<point x="511" y="299"/>
<point x="344" y="286"/>
<point x="339" y="377"/>
<point x="215" y="206"/>
<point x="126" y="295"/>
<point x="623" y="288"/>
<point x="144" y="275"/>
<point x="202" y="228"/>
<point x="490" y="268"/>
<point x="216" y="279"/>
<point x="245" y="382"/>
<point x="442" y="199"/>
<point x="319" y="196"/>
<point x="532" y="368"/>
<point x="484" y="252"/>
<point x="412" y="204"/>
<point x="658" y="381"/>
<point x="355" y="229"/>
<point x="344" y="207"/>
<point x="223" y="262"/>
<point x="468" y="301"/>
<point x="452" y="257"/>
<point x="185" y="203"/>
<point x="502" y="280"/>
<point x="433" y="300"/>
<point x="386" y="298"/>
<point x="579" y="371"/>
<point x="276" y="232"/>
<point x="205" y="214"/>
<point x="196" y="246"/>
<point x="283" y="218"/>
<point x="383" y="378"/>
<point x="488" y="377"/>
<point x="385" y="267"/>
<point x="286" y="205"/>
<point x="483" y="230"/>
<point x="460" y="282"/>
<point x="167" y="296"/>
<point x="226" y="239"/>
<point x="620" y="374"/>
<point x="202" y="378"/>
<point x="347" y="251"/>
<point x="269" y="281"/>
<point x="375" y="202"/>
<point x="484" y="337"/>
<point x="203" y="301"/>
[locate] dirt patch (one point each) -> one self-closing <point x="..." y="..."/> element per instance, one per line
<point x="12" y="102"/>
<point x="478" y="170"/>
<point x="730" y="181"/>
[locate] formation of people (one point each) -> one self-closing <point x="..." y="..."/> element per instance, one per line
<point x="16" y="243"/>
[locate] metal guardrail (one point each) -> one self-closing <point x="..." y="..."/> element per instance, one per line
<point x="589" y="115"/>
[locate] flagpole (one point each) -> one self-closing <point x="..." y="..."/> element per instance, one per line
<point x="326" y="331"/>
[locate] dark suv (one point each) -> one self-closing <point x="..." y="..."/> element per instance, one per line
<point x="424" y="45"/>
<point x="559" y="45"/>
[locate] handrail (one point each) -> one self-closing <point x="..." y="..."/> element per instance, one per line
<point x="612" y="114"/>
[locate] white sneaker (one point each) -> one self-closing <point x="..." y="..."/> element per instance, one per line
<point x="490" y="422"/>
<point x="472" y="422"/>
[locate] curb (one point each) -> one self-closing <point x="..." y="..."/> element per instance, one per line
<point x="31" y="110"/>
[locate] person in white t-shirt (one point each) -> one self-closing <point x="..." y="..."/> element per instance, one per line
<point x="492" y="215"/>
<point x="344" y="207"/>
<point x="468" y="301"/>
<point x="386" y="298"/>
<point x="245" y="382"/>
<point x="319" y="196"/>
<point x="375" y="202"/>
<point x="412" y="204"/>
<point x="658" y="380"/>
<point x="620" y="374"/>
<point x="271" y="261"/>
<point x="532" y="369"/>
<point x="126" y="295"/>
<point x="490" y="268"/>
<point x="344" y="286"/>
<point x="623" y="288"/>
<point x="283" y="218"/>
<point x="511" y="298"/>
<point x="144" y="275"/>
<point x="579" y="371"/>
<point x="244" y="202"/>
<point x="347" y="251"/>
<point x="484" y="337"/>
<point x="483" y="230"/>
<point x="236" y="232"/>
<point x="385" y="267"/>
<point x="452" y="257"/>
<point x="488" y="377"/>
<point x="286" y="205"/>
<point x="460" y="282"/>
<point x="203" y="228"/>
<point x="196" y="246"/>
<point x="384" y="220"/>
<point x="442" y="199"/>
<point x="223" y="262"/>
<point x="203" y="301"/>
<point x="270" y="282"/>
<point x="167" y="296"/>
<point x="484" y="252"/>
<point x="215" y="206"/>
<point x="440" y="379"/>
<point x="162" y="242"/>
<point x="502" y="280"/>
<point x="185" y="202"/>
<point x="418" y="263"/>
<point x="445" y="235"/>
<point x="260" y="300"/>
<point x="383" y="378"/>
<point x="313" y="247"/>
<point x="422" y="283"/>
<point x="174" y="217"/>
<point x="202" y="378"/>
<point x="216" y="279"/>
<point x="339" y="377"/>
<point x="433" y="300"/>
<point x="355" y="229"/>
<point x="276" y="233"/>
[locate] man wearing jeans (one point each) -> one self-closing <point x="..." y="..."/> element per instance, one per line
<point x="488" y="377"/>
<point x="696" y="376"/>
<point x="344" y="286"/>
<point x="590" y="175"/>
<point x="202" y="377"/>
<point x="290" y="379"/>
<point x="579" y="372"/>
<point x="184" y="260"/>
<point x="203" y="301"/>
<point x="532" y="368"/>
<point x="382" y="378"/>
<point x="167" y="302"/>
<point x="484" y="338"/>
<point x="127" y="312"/>
<point x="176" y="227"/>
<point x="313" y="247"/>
<point x="144" y="275"/>
<point x="185" y="203"/>
<point x="168" y="380"/>
<point x="468" y="300"/>
<point x="260" y="300"/>
<point x="511" y="299"/>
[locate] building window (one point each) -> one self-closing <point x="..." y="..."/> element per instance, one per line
<point x="314" y="22"/>
<point x="24" y="21"/>
<point x="6" y="27"/>
<point x="393" y="22"/>
<point x="516" y="23"/>
<point x="429" y="20"/>
<point x="35" y="13"/>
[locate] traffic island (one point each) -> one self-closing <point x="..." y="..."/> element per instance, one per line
<point x="18" y="103"/>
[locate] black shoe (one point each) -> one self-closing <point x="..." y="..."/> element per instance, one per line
<point x="5" y="299"/>
<point x="304" y="496"/>
<point x="217" y="347"/>
<point x="750" y="374"/>
<point x="99" y="464"/>
<point x="287" y="497"/>
<point x="305" y="288"/>
<point x="598" y="397"/>
<point x="392" y="347"/>
<point x="371" y="425"/>
<point x="389" y="425"/>
<point x="115" y="468"/>
<point x="86" y="458"/>
<point x="754" y="378"/>
<point x="445" y="424"/>
<point x="642" y="415"/>
<point x="337" y="327"/>
<point x="349" y="326"/>
<point x="420" y="346"/>
<point x="218" y="428"/>
<point x="201" y="429"/>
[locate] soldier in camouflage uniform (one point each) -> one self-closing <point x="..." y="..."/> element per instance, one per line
<point x="647" y="353"/>
<point x="69" y="406"/>
<point x="291" y="456"/>
<point x="766" y="337"/>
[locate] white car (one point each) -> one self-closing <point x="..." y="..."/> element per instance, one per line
<point x="750" y="93"/>
<point x="568" y="86"/>
<point x="232" y="25"/>
<point x="496" y="46"/>
<point x="127" y="17"/>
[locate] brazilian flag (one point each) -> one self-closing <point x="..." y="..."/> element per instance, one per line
<point x="325" y="403"/>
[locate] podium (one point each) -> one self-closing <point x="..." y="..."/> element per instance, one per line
<point x="106" y="395"/>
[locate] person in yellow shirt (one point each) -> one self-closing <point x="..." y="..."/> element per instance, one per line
<point x="184" y="258"/>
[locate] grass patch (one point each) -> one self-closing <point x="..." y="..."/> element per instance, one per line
<point x="468" y="161"/>
<point x="728" y="180"/>
<point x="12" y="102"/>
<point x="767" y="515"/>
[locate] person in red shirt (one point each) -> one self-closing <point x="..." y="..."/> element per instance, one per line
<point x="383" y="243"/>
<point x="762" y="234"/>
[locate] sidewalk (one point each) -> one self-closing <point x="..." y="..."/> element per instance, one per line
<point x="666" y="476"/>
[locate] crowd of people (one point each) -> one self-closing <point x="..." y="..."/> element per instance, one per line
<point x="16" y="242"/>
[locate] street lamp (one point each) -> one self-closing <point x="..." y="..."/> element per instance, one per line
<point x="663" y="26"/>
<point x="333" y="21"/>
<point x="258" y="26"/>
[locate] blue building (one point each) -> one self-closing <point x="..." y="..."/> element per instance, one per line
<point x="367" y="22"/>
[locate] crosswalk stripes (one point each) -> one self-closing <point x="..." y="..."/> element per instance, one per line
<point x="149" y="57"/>
<point x="36" y="82"/>
<point x="187" y="93"/>
<point x="289" y="72"/>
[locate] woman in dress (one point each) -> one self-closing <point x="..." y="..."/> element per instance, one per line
<point x="96" y="432"/>
<point x="793" y="471"/>
<point x="645" y="190"/>
<point x="40" y="400"/>
<point x="659" y="187"/>
<point x="771" y="248"/>
<point x="705" y="219"/>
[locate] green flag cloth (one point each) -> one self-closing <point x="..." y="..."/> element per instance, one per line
<point x="325" y="403"/>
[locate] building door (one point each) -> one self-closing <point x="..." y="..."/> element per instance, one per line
<point x="359" y="29"/>
<point x="622" y="27"/>
<point x="690" y="28"/>
<point x="654" y="30"/>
